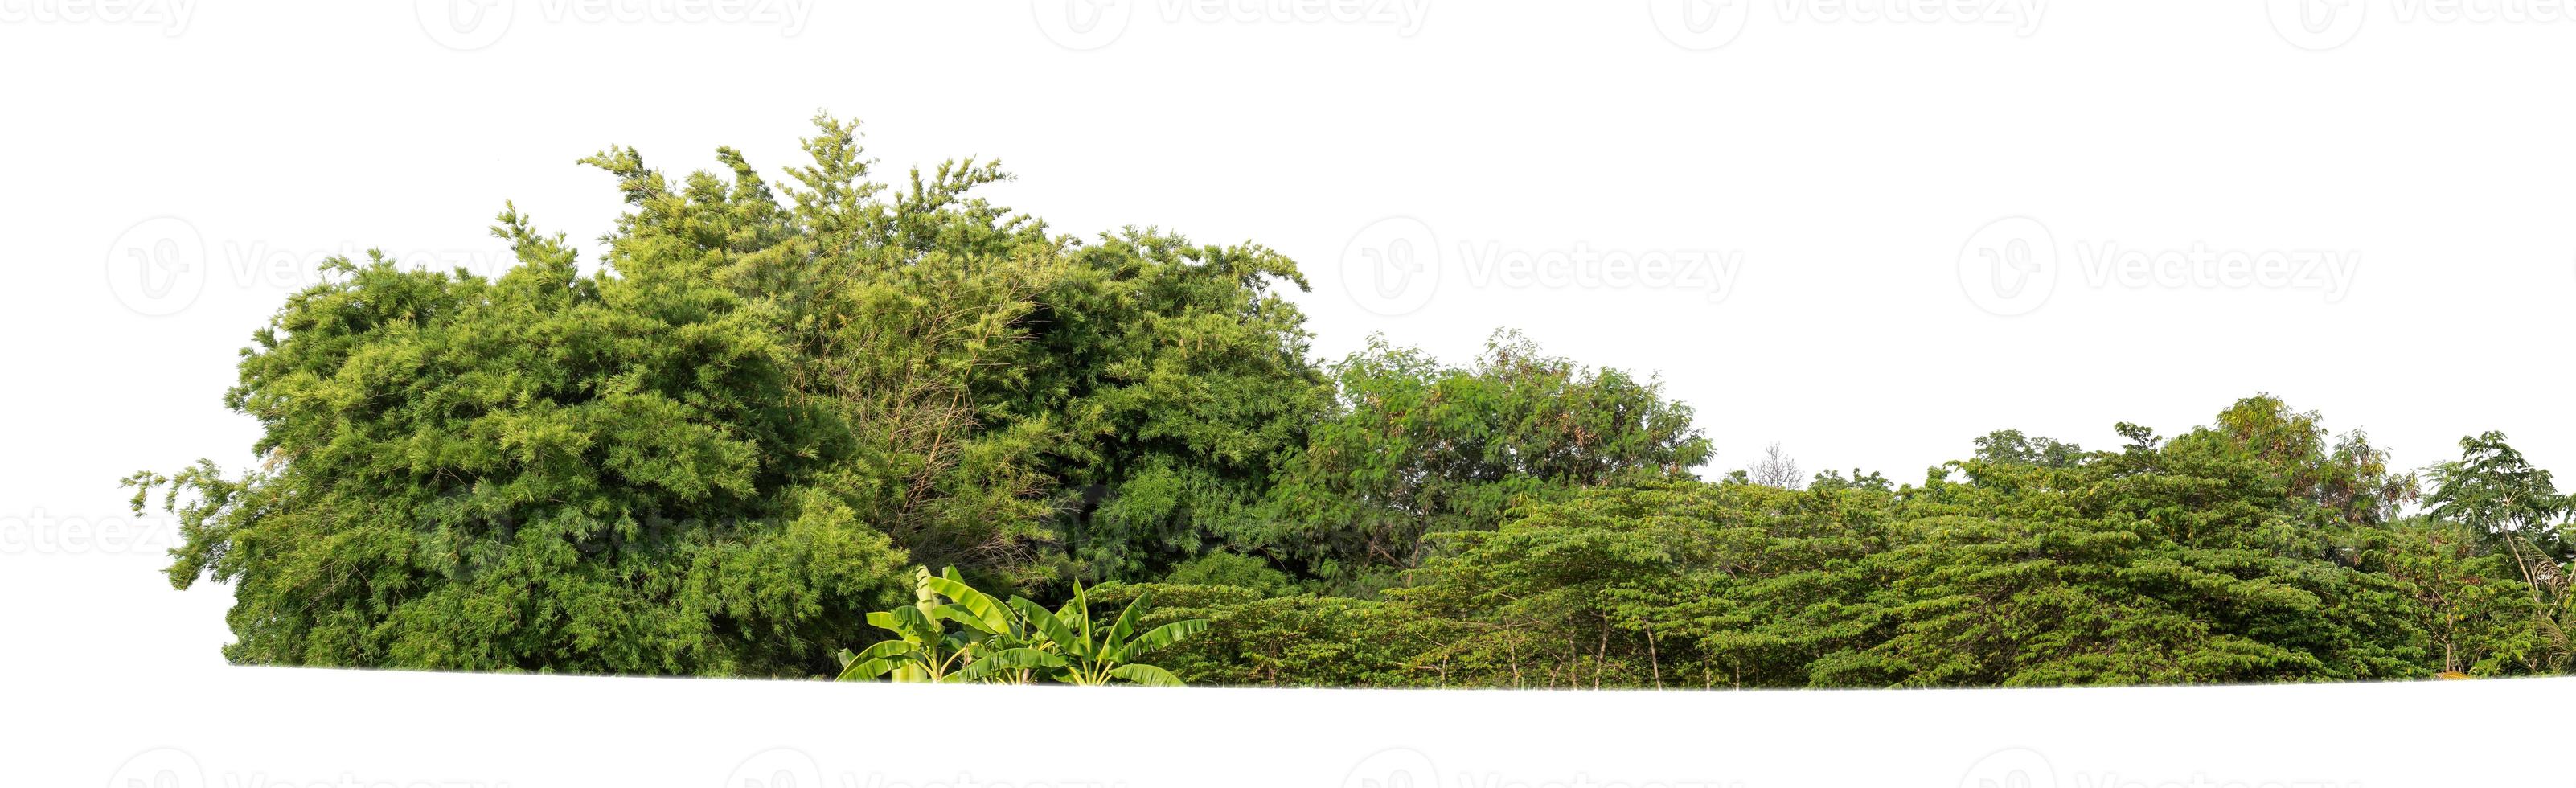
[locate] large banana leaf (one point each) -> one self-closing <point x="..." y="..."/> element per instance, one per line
<point x="1126" y="626"/>
<point x="995" y="639"/>
<point x="1147" y="675"/>
<point x="1052" y="628"/>
<point x="1008" y="660"/>
<point x="975" y="625"/>
<point x="981" y="611"/>
<point x="876" y="661"/>
<point x="909" y="622"/>
<point x="1077" y="611"/>
<point x="1167" y="634"/>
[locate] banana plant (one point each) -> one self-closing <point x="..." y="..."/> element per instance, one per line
<point x="1000" y="646"/>
<point x="1089" y="656"/>
<point x="987" y="644"/>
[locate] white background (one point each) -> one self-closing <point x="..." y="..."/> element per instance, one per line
<point x="1846" y="167"/>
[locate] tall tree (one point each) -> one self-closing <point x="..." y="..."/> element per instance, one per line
<point x="716" y="453"/>
<point x="1776" y="469"/>
<point x="1180" y="378"/>
<point x="1416" y="447"/>
<point x="2500" y="497"/>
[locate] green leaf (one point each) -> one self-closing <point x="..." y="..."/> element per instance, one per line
<point x="1008" y="660"/>
<point x="1167" y="634"/>
<point x="1052" y="627"/>
<point x="1127" y="621"/>
<point x="980" y="610"/>
<point x="1147" y="675"/>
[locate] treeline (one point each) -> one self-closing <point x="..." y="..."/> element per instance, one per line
<point x="2250" y="550"/>
<point x="773" y="403"/>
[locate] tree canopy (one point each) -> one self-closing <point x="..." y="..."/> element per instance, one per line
<point x="736" y="445"/>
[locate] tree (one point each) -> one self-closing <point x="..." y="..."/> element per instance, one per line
<point x="544" y="472"/>
<point x="1775" y="469"/>
<point x="1416" y="447"/>
<point x="2481" y="619"/>
<point x="2499" y="497"/>
<point x="2508" y="507"/>
<point x="2011" y="446"/>
<point x="714" y="453"/>
<point x="1180" y="378"/>
<point x="733" y="447"/>
<point x="2229" y="553"/>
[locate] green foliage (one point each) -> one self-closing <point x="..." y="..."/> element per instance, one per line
<point x="1303" y="640"/>
<point x="1014" y="642"/>
<point x="2510" y="510"/>
<point x="989" y="643"/>
<point x="546" y="472"/>
<point x="1234" y="571"/>
<point x="1096" y="655"/>
<point x="2011" y="447"/>
<point x="2498" y="496"/>
<point x="2256" y="549"/>
<point x="1182" y="381"/>
<point x="1416" y="448"/>
<point x="715" y="453"/>
<point x="712" y="454"/>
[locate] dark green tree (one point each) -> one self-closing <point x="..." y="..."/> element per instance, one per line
<point x="717" y="452"/>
